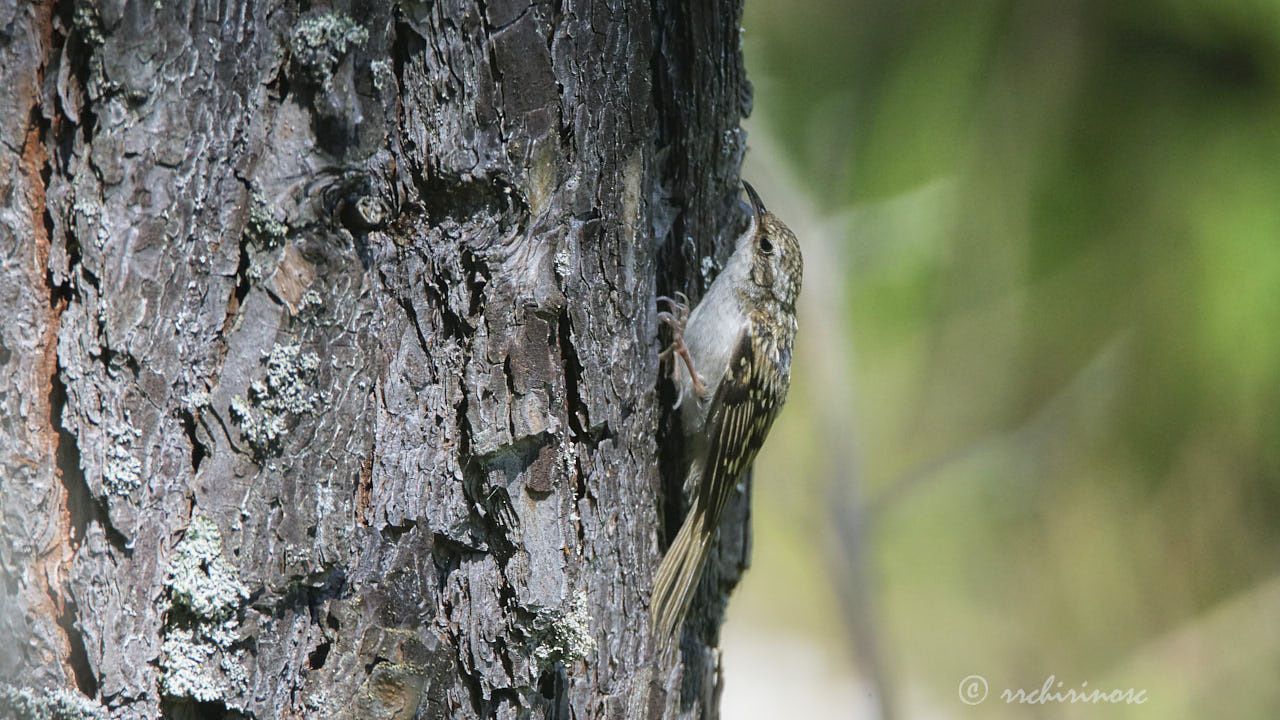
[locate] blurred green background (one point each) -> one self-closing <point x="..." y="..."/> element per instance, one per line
<point x="1032" y="429"/>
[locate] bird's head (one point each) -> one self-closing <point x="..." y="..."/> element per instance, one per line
<point x="776" y="263"/>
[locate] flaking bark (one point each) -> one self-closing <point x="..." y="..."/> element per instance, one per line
<point x="329" y="375"/>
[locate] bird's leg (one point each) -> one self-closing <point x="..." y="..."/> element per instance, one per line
<point x="676" y="319"/>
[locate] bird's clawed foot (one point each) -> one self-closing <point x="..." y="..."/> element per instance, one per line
<point x="676" y="318"/>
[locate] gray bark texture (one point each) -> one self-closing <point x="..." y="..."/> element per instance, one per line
<point x="328" y="357"/>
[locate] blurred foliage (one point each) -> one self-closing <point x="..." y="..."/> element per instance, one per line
<point x="1062" y="274"/>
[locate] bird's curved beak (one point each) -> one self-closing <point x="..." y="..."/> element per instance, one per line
<point x="756" y="207"/>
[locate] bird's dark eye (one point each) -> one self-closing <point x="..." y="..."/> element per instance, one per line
<point x="766" y="246"/>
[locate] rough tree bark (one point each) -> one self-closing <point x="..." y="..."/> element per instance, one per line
<point x="328" y="359"/>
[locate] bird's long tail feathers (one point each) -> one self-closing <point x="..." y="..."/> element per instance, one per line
<point x="677" y="576"/>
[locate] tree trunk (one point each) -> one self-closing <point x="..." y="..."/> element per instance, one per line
<point x="330" y="383"/>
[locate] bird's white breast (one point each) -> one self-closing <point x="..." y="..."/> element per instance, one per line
<point x="711" y="335"/>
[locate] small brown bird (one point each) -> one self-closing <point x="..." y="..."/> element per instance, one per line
<point x="736" y="352"/>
